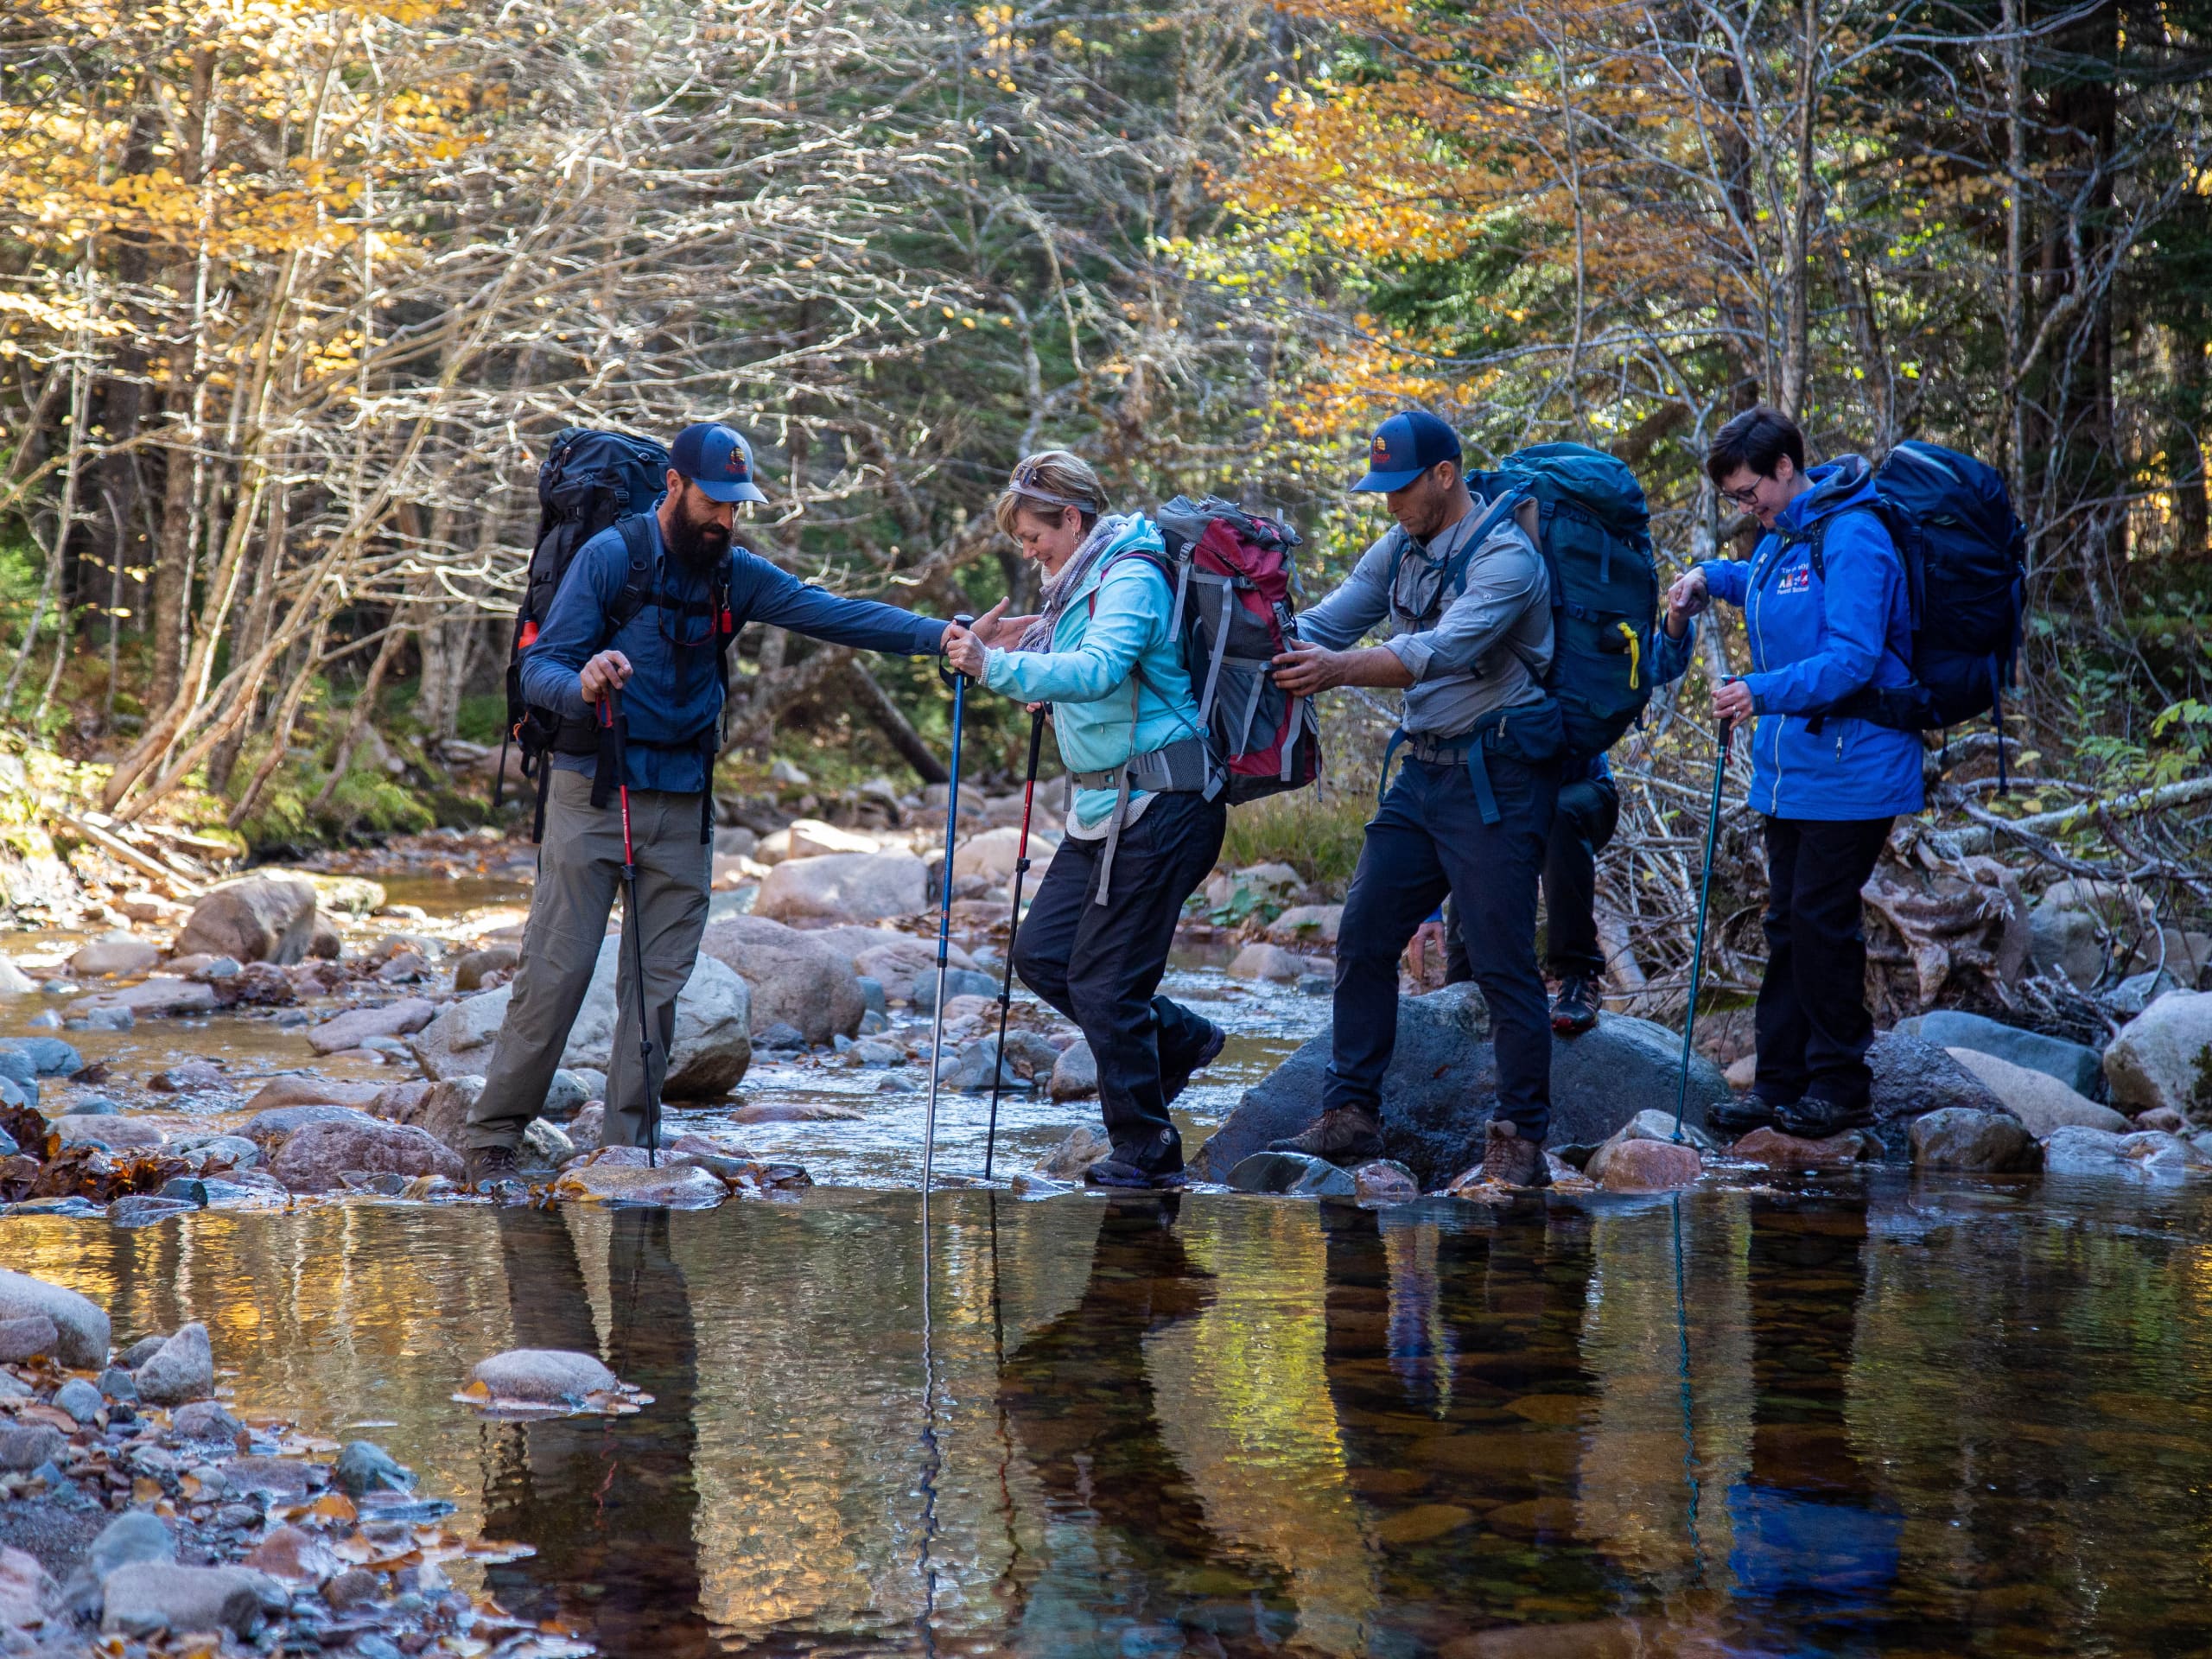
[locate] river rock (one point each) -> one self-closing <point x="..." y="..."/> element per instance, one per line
<point x="1075" y="1073"/>
<point x="844" y="888"/>
<point x="80" y="1322"/>
<point x="163" y="996"/>
<point x="205" y="1420"/>
<point x="364" y="1467"/>
<point x="714" y="1027"/>
<point x="958" y="982"/>
<point x="2037" y="1099"/>
<point x="1266" y="961"/>
<point x="2155" y="1153"/>
<point x="1912" y="1077"/>
<point x="1770" y="1148"/>
<point x="1307" y="925"/>
<point x="2080" y="1067"/>
<point x="134" y="1535"/>
<point x="1958" y="1137"/>
<point x="31" y="1446"/>
<point x="1645" y="1166"/>
<point x="442" y="1109"/>
<point x="458" y="1042"/>
<point x="476" y="966"/>
<point x="793" y="976"/>
<point x="289" y="1552"/>
<point x="1442" y="1086"/>
<point x="52" y="1057"/>
<point x="544" y="1376"/>
<point x="312" y="1158"/>
<point x="27" y="1337"/>
<point x="1293" y="1173"/>
<point x="812" y="838"/>
<point x="587" y="1126"/>
<point x="119" y="952"/>
<point x="2087" y="929"/>
<point x="14" y="981"/>
<point x="146" y="1598"/>
<point x="682" y="1186"/>
<point x="895" y="959"/>
<point x="2164" y="1056"/>
<point x="570" y="1088"/>
<point x="1067" y="1161"/>
<point x="259" y="918"/>
<point x="1383" y="1183"/>
<point x="1649" y="1124"/>
<point x="80" y="1399"/>
<point x="350" y="1029"/>
<point x="992" y="854"/>
<point x="183" y="1370"/>
<point x="545" y="1144"/>
<point x="295" y="1089"/>
<point x="147" y="1210"/>
<point x="115" y="1133"/>
<point x="271" y="1129"/>
<point x="2073" y="1150"/>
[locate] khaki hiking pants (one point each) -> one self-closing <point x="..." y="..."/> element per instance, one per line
<point x="579" y="876"/>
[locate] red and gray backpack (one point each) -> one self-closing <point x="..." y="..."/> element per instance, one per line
<point x="1234" y="581"/>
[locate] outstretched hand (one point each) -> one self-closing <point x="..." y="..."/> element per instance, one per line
<point x="995" y="628"/>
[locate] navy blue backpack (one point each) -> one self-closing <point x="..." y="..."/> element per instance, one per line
<point x="1965" y="557"/>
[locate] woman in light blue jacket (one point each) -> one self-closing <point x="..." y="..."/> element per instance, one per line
<point x="1147" y="818"/>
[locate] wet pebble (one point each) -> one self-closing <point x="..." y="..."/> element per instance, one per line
<point x="80" y="1399"/>
<point x="147" y="1210"/>
<point x="116" y="1383"/>
<point x="182" y="1369"/>
<point x="542" y="1377"/>
<point x="364" y="1466"/>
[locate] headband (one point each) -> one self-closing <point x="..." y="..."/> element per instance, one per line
<point x="1026" y="470"/>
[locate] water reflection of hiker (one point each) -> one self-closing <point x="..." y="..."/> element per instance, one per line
<point x="664" y="661"/>
<point x="1814" y="1531"/>
<point x="1082" y="1401"/>
<point x="608" y="1503"/>
<point x="1148" y="818"/>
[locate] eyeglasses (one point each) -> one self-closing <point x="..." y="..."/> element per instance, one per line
<point x="1747" y="497"/>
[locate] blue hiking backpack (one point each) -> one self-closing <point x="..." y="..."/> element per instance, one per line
<point x="1586" y="515"/>
<point x="1965" y="556"/>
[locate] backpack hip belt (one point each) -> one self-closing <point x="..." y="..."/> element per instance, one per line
<point x="1185" y="766"/>
<point x="1470" y="745"/>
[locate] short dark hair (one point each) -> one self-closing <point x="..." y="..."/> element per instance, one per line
<point x="1758" y="438"/>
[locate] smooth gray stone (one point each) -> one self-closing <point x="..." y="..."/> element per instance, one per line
<point x="2078" y="1066"/>
<point x="1293" y="1173"/>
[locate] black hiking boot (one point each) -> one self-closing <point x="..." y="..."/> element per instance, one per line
<point x="1172" y="1083"/>
<point x="491" y="1169"/>
<point x="1818" y="1116"/>
<point x="1511" y="1158"/>
<point x="1346" y="1136"/>
<point x="1737" y="1116"/>
<point x="1155" y="1162"/>
<point x="1575" y="1009"/>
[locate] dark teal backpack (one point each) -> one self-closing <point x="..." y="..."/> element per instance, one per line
<point x="1586" y="512"/>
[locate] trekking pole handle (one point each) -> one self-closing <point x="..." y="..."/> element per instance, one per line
<point x="944" y="668"/>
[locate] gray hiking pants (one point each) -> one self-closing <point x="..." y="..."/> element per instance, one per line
<point x="579" y="875"/>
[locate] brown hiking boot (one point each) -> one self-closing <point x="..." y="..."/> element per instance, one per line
<point x="1346" y="1136"/>
<point x="1511" y="1159"/>
<point x="491" y="1169"/>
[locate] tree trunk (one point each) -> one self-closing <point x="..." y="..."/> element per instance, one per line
<point x="876" y="703"/>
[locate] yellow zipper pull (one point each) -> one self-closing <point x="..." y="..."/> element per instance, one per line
<point x="1635" y="653"/>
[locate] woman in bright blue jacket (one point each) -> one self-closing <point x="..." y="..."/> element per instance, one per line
<point x="1826" y="612"/>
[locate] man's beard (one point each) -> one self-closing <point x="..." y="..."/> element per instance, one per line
<point x="699" y="546"/>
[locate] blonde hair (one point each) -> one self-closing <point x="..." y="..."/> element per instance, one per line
<point x="1048" y="481"/>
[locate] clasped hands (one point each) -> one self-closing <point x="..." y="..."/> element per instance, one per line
<point x="967" y="648"/>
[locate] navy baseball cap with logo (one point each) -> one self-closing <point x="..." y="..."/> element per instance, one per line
<point x="718" y="459"/>
<point x="1405" y="447"/>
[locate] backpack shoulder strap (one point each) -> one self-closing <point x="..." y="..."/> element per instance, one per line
<point x="636" y="541"/>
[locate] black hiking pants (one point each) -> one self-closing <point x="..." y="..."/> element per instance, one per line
<point x="1813" y="1028"/>
<point x="1101" y="965"/>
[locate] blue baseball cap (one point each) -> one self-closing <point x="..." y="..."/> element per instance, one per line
<point x="1405" y="447"/>
<point x="718" y="459"/>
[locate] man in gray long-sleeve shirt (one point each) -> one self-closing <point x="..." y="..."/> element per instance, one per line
<point x="1469" y="602"/>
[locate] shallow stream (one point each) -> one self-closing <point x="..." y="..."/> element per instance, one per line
<point x="1880" y="1416"/>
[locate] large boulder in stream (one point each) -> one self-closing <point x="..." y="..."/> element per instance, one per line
<point x="713" y="1035"/>
<point x="792" y="977"/>
<point x="1442" y="1087"/>
<point x="260" y="919"/>
<point x="81" y="1323"/>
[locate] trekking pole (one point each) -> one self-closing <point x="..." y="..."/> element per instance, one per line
<point x="633" y="925"/>
<point x="1012" y="927"/>
<point x="1704" y="899"/>
<point x="943" y="919"/>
